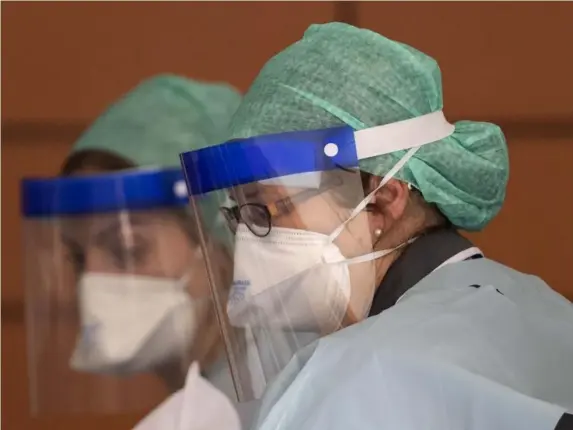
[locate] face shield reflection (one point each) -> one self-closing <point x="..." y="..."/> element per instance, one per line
<point x="289" y="270"/>
<point x="292" y="235"/>
<point x="117" y="295"/>
<point x="291" y="282"/>
<point x="129" y="292"/>
<point x="304" y="240"/>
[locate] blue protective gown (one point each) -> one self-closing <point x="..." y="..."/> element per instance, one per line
<point x="473" y="345"/>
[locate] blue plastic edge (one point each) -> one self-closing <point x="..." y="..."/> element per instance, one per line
<point x="242" y="161"/>
<point x="125" y="190"/>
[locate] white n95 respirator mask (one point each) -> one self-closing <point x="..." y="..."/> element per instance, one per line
<point x="296" y="279"/>
<point x="132" y="323"/>
<point x="291" y="279"/>
<point x="285" y="280"/>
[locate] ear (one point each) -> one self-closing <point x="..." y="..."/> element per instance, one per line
<point x="388" y="204"/>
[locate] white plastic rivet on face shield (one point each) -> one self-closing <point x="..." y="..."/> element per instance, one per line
<point x="180" y="189"/>
<point x="331" y="149"/>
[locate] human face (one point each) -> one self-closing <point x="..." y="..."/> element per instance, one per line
<point x="323" y="211"/>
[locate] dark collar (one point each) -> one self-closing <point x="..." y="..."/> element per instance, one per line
<point x="417" y="261"/>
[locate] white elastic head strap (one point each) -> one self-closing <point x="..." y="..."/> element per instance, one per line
<point x="384" y="139"/>
<point x="410" y="134"/>
<point x="402" y="135"/>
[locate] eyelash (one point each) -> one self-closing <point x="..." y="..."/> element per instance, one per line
<point x="78" y="260"/>
<point x="135" y="254"/>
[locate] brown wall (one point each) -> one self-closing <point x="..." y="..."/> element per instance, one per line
<point x="505" y="62"/>
<point x="64" y="62"/>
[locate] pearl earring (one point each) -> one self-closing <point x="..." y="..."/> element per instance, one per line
<point x="378" y="232"/>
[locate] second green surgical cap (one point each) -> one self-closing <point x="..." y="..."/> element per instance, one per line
<point x="162" y="117"/>
<point x="159" y="119"/>
<point x="339" y="74"/>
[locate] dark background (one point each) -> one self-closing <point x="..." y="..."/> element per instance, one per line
<point x="63" y="63"/>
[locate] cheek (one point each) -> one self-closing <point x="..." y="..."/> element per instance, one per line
<point x="221" y="265"/>
<point x="314" y="215"/>
<point x="180" y="257"/>
<point x="354" y="241"/>
<point x="198" y="285"/>
<point x="99" y="261"/>
<point x="172" y="254"/>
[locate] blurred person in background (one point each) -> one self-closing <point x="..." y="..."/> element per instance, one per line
<point x="145" y="129"/>
<point x="142" y="295"/>
<point x="365" y="306"/>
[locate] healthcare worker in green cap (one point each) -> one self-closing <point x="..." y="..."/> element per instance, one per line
<point x="124" y="257"/>
<point x="355" y="302"/>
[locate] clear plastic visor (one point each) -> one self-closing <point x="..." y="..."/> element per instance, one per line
<point x="304" y="231"/>
<point x="118" y="306"/>
<point x="293" y="280"/>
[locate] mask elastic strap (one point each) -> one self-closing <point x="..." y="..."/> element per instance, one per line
<point x="362" y="205"/>
<point x="378" y="254"/>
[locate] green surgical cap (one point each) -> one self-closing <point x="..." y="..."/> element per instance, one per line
<point x="338" y="74"/>
<point x="161" y="118"/>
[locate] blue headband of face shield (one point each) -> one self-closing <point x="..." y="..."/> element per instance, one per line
<point x="264" y="158"/>
<point x="135" y="189"/>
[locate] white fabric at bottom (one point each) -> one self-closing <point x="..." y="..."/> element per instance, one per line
<point x="448" y="356"/>
<point x="199" y="406"/>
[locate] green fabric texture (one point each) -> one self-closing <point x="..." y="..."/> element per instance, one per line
<point x="159" y="119"/>
<point x="339" y="74"/>
<point x="162" y="117"/>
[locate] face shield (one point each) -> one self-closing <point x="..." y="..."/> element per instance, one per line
<point x="303" y="239"/>
<point x="117" y="296"/>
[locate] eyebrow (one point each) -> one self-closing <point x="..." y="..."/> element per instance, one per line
<point x="113" y="231"/>
<point x="110" y="233"/>
<point x="247" y="193"/>
<point x="71" y="243"/>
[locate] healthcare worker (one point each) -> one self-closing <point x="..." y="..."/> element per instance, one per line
<point x="356" y="303"/>
<point x="121" y="288"/>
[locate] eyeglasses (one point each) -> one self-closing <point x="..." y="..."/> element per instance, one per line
<point x="258" y="217"/>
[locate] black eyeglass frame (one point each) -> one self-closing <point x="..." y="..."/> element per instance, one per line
<point x="234" y="215"/>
